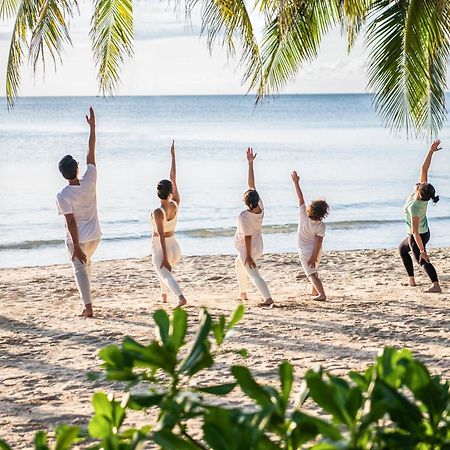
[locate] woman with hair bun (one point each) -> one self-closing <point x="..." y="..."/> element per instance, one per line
<point x="248" y="239"/>
<point x="166" y="251"/>
<point x="417" y="225"/>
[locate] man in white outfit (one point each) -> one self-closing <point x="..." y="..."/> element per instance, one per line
<point x="78" y="202"/>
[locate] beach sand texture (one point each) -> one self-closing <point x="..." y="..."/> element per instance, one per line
<point x="46" y="350"/>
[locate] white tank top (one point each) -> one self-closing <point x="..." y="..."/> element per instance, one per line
<point x="168" y="225"/>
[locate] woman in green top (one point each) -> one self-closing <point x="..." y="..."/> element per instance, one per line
<point x="417" y="225"/>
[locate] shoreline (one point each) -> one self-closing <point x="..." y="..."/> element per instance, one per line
<point x="219" y="255"/>
<point x="47" y="350"/>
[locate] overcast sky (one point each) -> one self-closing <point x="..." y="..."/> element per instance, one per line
<point x="171" y="59"/>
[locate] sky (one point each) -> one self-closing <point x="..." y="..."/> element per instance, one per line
<point x="171" y="59"/>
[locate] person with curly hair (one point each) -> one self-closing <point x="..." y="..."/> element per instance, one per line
<point x="310" y="234"/>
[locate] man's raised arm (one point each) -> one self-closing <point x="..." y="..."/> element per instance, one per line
<point x="90" y="159"/>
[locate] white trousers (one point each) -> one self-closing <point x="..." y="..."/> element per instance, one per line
<point x="166" y="278"/>
<point x="83" y="271"/>
<point x="244" y="272"/>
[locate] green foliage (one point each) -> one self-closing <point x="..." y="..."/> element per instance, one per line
<point x="394" y="404"/>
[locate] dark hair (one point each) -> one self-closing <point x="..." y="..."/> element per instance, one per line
<point x="251" y="198"/>
<point x="68" y="167"/>
<point x="427" y="192"/>
<point x="164" y="189"/>
<point x="317" y="210"/>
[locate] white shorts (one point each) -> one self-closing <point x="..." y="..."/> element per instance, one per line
<point x="304" y="262"/>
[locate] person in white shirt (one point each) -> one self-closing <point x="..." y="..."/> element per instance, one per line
<point x="78" y="203"/>
<point x="310" y="234"/>
<point x="248" y="239"/>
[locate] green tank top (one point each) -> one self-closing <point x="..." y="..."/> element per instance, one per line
<point x="416" y="208"/>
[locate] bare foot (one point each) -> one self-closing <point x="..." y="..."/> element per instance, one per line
<point x="320" y="298"/>
<point x="266" y="303"/>
<point x="243" y="296"/>
<point x="163" y="298"/>
<point x="87" y="311"/>
<point x="181" y="302"/>
<point x="435" y="289"/>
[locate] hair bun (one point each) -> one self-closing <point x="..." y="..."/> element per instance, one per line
<point x="435" y="199"/>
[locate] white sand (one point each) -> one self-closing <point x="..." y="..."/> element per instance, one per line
<point x="46" y="350"/>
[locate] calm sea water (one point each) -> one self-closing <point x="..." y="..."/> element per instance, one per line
<point x="336" y="142"/>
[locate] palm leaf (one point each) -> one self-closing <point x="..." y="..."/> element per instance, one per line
<point x="112" y="39"/>
<point x="292" y="37"/>
<point x="51" y="30"/>
<point x="8" y="8"/>
<point x="408" y="42"/>
<point x="229" y="22"/>
<point x="353" y="15"/>
<point x="26" y="16"/>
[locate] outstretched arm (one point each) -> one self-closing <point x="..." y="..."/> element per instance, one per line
<point x="173" y="174"/>
<point x="90" y="159"/>
<point x="427" y="161"/>
<point x="251" y="173"/>
<point x="298" y="190"/>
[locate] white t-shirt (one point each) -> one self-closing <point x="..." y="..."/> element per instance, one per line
<point x="81" y="201"/>
<point x="250" y="224"/>
<point x="307" y="231"/>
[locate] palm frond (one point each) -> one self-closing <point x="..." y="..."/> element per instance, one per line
<point x="229" y="22"/>
<point x="112" y="40"/>
<point x="353" y="16"/>
<point x="408" y="42"/>
<point x="8" y="8"/>
<point x="26" y="16"/>
<point x="291" y="38"/>
<point x="51" y="31"/>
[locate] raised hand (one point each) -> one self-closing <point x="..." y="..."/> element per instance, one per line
<point x="435" y="146"/>
<point x="295" y="177"/>
<point x="91" y="119"/>
<point x="172" y="149"/>
<point x="250" y="155"/>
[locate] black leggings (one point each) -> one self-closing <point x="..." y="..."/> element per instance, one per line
<point x="405" y="248"/>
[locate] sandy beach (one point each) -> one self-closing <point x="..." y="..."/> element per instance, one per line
<point x="46" y="349"/>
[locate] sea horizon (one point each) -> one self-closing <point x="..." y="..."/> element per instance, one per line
<point x="335" y="141"/>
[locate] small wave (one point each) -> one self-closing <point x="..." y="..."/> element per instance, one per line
<point x="221" y="232"/>
<point x="27" y="245"/>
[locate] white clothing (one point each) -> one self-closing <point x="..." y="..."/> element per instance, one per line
<point x="169" y="225"/>
<point x="81" y="201"/>
<point x="82" y="270"/>
<point x="244" y="272"/>
<point x="166" y="277"/>
<point x="307" y="231"/>
<point x="304" y="262"/>
<point x="250" y="224"/>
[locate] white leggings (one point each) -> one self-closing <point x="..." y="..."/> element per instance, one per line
<point x="83" y="270"/>
<point x="244" y="272"/>
<point x="166" y="278"/>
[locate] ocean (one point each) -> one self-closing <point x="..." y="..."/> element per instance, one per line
<point x="336" y="143"/>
